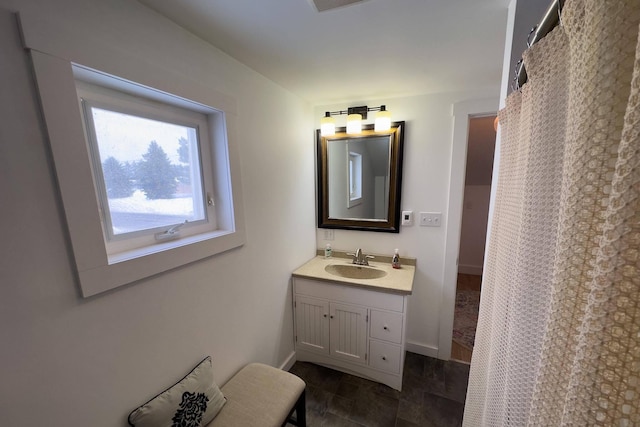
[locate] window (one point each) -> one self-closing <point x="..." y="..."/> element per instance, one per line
<point x="146" y="163"/>
<point x="149" y="180"/>
<point x="355" y="178"/>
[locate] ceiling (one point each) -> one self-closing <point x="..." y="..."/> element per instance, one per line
<point x="362" y="51"/>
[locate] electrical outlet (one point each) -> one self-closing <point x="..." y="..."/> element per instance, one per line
<point x="328" y="234"/>
<point x="430" y="219"/>
<point x="407" y="217"/>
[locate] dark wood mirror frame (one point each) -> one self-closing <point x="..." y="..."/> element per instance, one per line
<point x="392" y="222"/>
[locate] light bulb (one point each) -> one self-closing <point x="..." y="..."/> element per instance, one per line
<point x="327" y="125"/>
<point x="354" y="123"/>
<point x="383" y="120"/>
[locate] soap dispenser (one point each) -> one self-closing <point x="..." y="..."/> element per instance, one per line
<point x="328" y="252"/>
<point x="395" y="261"/>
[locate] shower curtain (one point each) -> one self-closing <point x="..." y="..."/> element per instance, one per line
<point x="558" y="338"/>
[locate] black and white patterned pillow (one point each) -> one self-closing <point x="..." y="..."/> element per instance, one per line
<point x="192" y="402"/>
<point x="192" y="408"/>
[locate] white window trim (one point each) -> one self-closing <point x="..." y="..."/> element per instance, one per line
<point x="63" y="119"/>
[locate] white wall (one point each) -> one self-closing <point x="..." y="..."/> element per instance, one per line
<point x="425" y="187"/>
<point x="474" y="228"/>
<point x="69" y="361"/>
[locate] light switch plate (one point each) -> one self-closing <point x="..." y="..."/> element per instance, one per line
<point x="328" y="234"/>
<point x="430" y="219"/>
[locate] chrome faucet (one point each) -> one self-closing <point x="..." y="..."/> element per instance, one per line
<point x="359" y="258"/>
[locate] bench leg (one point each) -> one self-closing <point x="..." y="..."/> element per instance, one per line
<point x="301" y="412"/>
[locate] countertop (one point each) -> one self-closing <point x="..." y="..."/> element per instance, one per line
<point x="399" y="281"/>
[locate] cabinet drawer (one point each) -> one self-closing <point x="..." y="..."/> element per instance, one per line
<point x="349" y="294"/>
<point x="386" y="326"/>
<point x="385" y="357"/>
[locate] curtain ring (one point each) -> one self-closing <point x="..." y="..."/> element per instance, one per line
<point x="560" y="13"/>
<point x="515" y="83"/>
<point x="533" y="30"/>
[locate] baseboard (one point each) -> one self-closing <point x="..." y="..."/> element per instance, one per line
<point x="470" y="269"/>
<point x="289" y="362"/>
<point x="425" y="350"/>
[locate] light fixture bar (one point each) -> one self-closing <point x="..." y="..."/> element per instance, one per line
<point x="382" y="121"/>
<point x="359" y="110"/>
<point x="363" y="110"/>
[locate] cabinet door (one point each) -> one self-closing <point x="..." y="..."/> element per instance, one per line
<point x="348" y="332"/>
<point x="312" y="324"/>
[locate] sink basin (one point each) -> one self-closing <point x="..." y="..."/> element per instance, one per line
<point x="351" y="271"/>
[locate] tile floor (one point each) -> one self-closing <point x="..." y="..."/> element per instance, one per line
<point x="433" y="395"/>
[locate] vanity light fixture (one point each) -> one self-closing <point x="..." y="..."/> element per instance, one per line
<point x="355" y="115"/>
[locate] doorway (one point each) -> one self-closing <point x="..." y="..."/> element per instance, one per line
<point x="473" y="234"/>
<point x="463" y="112"/>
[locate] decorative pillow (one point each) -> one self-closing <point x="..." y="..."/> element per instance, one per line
<point x="193" y="402"/>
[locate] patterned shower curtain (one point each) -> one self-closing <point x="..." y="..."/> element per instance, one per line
<point x="558" y="338"/>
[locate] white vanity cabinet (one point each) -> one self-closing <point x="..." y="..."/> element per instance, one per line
<point x="353" y="329"/>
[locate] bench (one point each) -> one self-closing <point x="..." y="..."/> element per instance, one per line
<point x="260" y="396"/>
<point x="257" y="396"/>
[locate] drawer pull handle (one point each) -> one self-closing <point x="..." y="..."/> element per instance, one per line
<point x="385" y="328"/>
<point x="384" y="357"/>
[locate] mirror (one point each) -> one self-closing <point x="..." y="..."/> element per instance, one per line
<point x="359" y="179"/>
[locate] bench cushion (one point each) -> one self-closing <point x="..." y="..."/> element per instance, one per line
<point x="259" y="396"/>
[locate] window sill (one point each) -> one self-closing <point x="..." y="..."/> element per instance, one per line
<point x="166" y="246"/>
<point x="354" y="202"/>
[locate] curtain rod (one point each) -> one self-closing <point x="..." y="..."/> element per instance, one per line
<point x="549" y="21"/>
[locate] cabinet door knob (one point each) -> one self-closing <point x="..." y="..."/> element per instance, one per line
<point x="384" y="357"/>
<point x="331" y="316"/>
<point x="324" y="315"/>
<point x="385" y="328"/>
